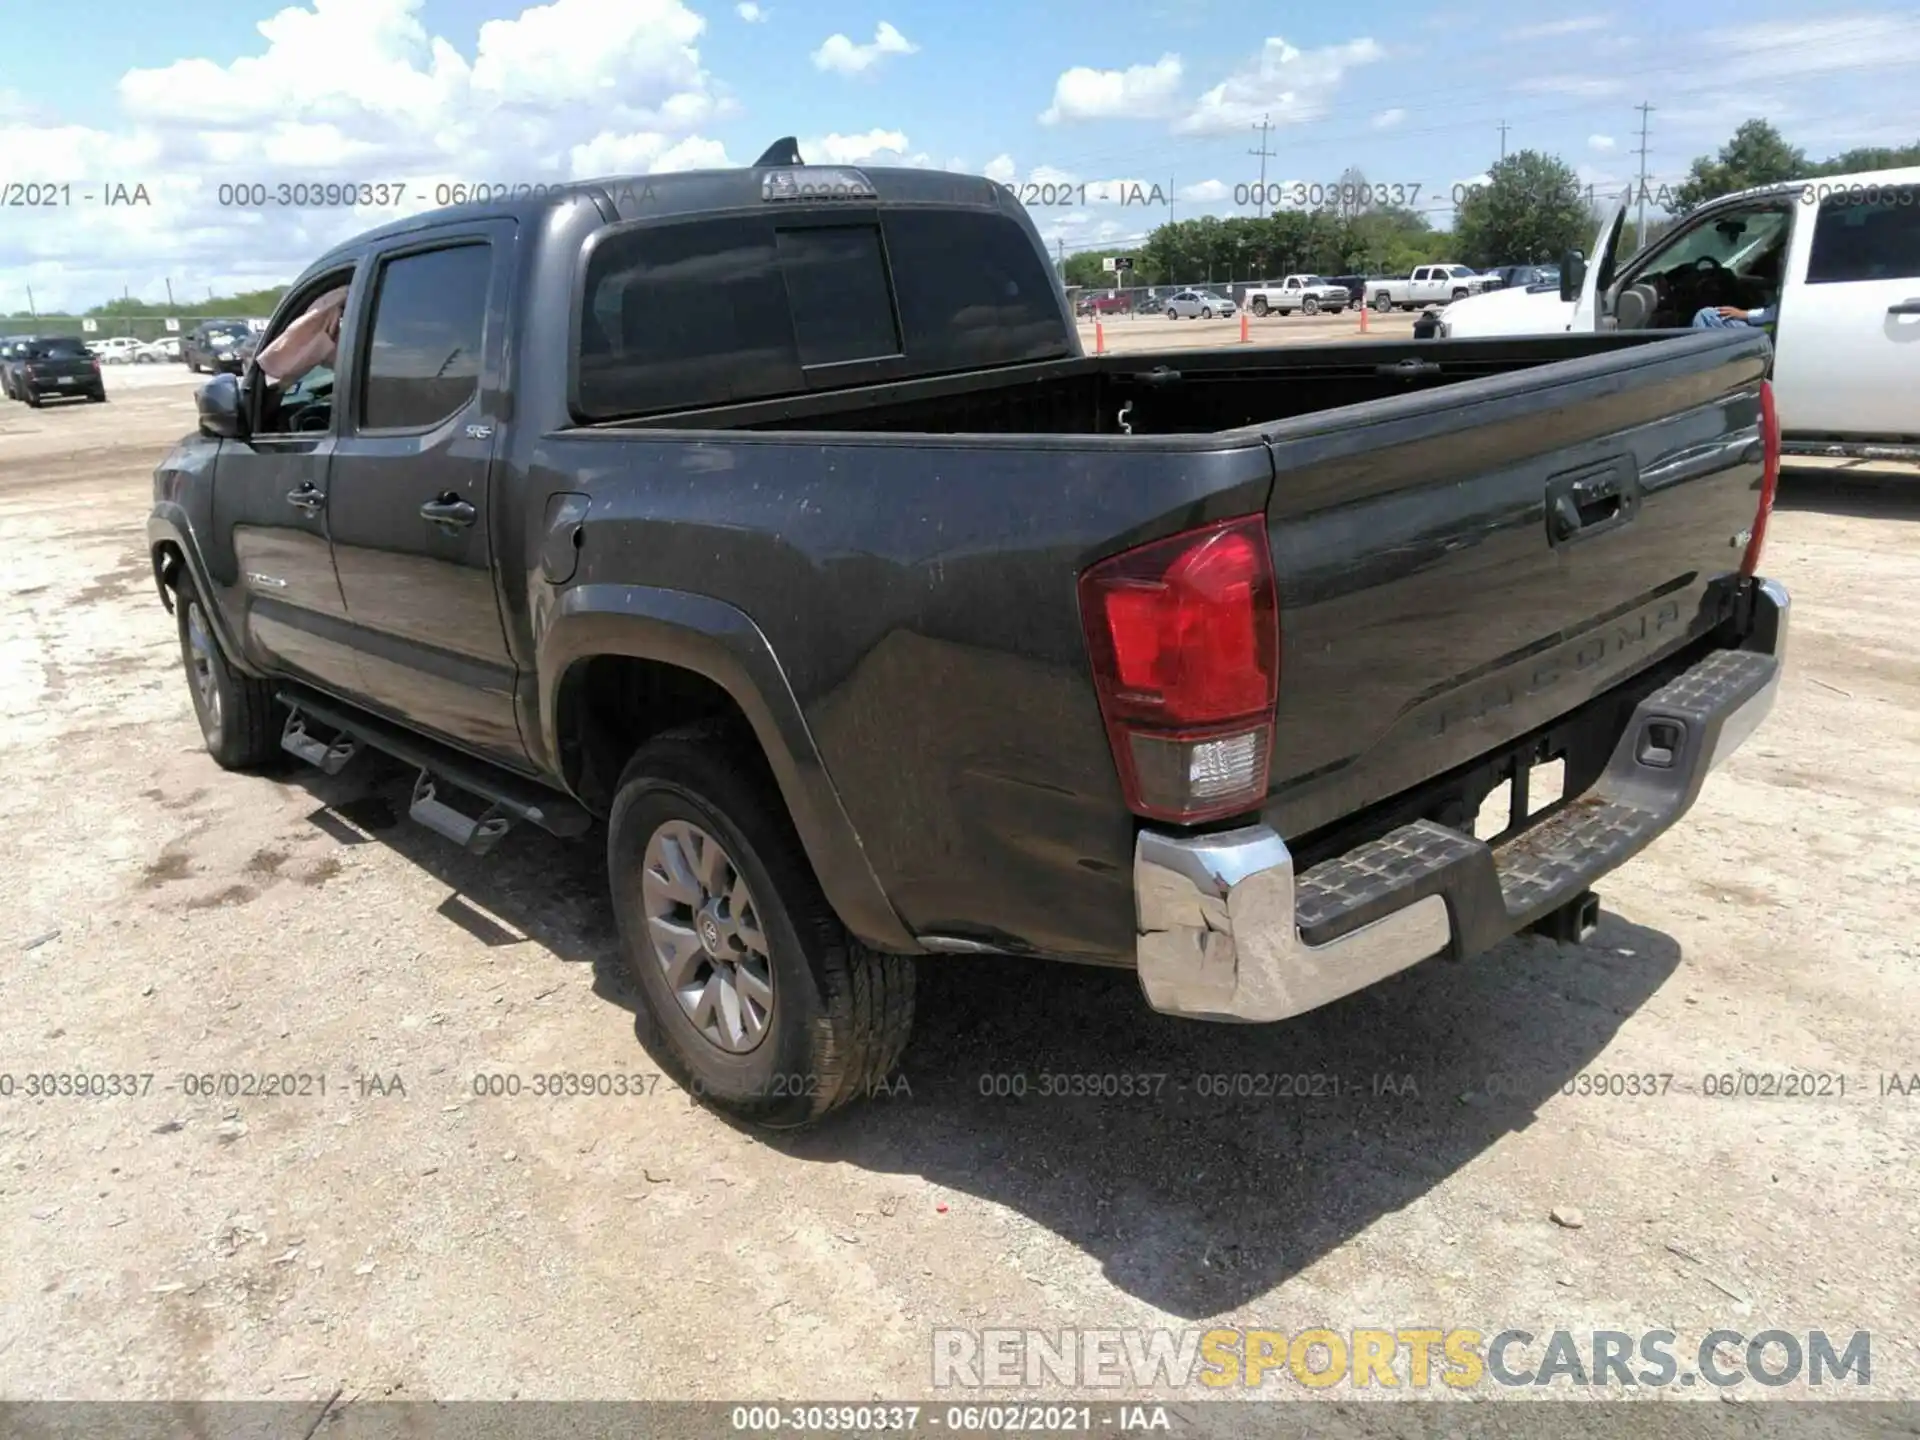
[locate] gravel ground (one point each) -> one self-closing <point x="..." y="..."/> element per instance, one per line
<point x="399" y="1235"/>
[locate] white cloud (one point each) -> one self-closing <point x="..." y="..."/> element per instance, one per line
<point x="838" y="53"/>
<point x="1600" y="142"/>
<point x="1207" y="192"/>
<point x="1572" y="25"/>
<point x="1775" y="49"/>
<point x="1000" y="168"/>
<point x="1283" y="84"/>
<point x="752" y="13"/>
<point x="1140" y="92"/>
<point x="1588" y="87"/>
<point x="336" y="91"/>
<point x="885" y="146"/>
<point x="1387" y="119"/>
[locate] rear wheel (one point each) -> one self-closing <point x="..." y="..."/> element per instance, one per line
<point x="31" y="396"/>
<point x="1260" y="307"/>
<point x="236" y="713"/>
<point x="753" y="992"/>
<point x="1383" y="301"/>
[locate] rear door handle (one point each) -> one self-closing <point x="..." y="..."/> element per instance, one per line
<point x="308" y="498"/>
<point x="449" y="512"/>
<point x="1906" y="307"/>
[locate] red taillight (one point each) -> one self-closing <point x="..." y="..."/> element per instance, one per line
<point x="1184" y="635"/>
<point x="1769" y="479"/>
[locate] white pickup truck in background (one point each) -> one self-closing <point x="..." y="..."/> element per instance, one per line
<point x="1840" y="256"/>
<point x="1309" y="294"/>
<point x="1428" y="285"/>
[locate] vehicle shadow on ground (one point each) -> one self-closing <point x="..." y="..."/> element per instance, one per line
<point x="1263" y="1147"/>
<point x="1844" y="492"/>
<point x="1242" y="1153"/>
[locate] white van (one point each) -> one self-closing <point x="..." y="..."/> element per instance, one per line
<point x="1840" y="255"/>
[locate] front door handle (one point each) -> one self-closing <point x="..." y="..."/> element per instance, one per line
<point x="449" y="512"/>
<point x="1906" y="307"/>
<point x="308" y="498"/>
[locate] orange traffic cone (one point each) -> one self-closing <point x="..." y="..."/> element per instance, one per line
<point x="1363" y="317"/>
<point x="1243" y="327"/>
<point x="1099" y="338"/>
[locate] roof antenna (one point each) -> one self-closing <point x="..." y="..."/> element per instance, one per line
<point x="784" y="151"/>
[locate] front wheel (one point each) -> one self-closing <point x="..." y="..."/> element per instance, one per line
<point x="1310" y="306"/>
<point x="1206" y="313"/>
<point x="1460" y="294"/>
<point x="236" y="713"/>
<point x="32" y="397"/>
<point x="1172" y="314"/>
<point x="752" y="992"/>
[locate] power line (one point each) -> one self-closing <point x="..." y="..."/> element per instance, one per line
<point x="1265" y="154"/>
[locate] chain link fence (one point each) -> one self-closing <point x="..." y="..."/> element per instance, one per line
<point x="107" y="327"/>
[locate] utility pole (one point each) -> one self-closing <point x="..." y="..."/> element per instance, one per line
<point x="32" y="312"/>
<point x="1640" y="223"/>
<point x="1504" y="127"/>
<point x="1170" y="199"/>
<point x="169" y="294"/>
<point x="1265" y="154"/>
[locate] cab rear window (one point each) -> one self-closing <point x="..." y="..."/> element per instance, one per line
<point x="737" y="308"/>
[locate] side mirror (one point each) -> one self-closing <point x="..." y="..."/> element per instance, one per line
<point x="1573" y="272"/>
<point x="219" y="404"/>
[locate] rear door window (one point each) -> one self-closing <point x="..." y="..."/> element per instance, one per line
<point x="60" y="350"/>
<point x="1854" y="241"/>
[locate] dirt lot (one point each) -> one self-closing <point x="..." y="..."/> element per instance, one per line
<point x="398" y="1235"/>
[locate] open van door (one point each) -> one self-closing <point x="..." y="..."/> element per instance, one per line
<point x="1602" y="261"/>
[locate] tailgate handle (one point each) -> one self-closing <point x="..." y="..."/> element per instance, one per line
<point x="1589" y="500"/>
<point x="1906" y="307"/>
<point x="1408" y="369"/>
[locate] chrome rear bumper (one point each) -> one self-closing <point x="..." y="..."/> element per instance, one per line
<point x="1227" y="931"/>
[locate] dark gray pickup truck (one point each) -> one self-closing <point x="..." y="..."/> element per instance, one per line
<point x="775" y="518"/>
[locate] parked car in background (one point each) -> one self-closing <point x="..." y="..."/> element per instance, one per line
<point x="1428" y="285"/>
<point x="10" y="352"/>
<point x="1519" y="277"/>
<point x="214" y="346"/>
<point x="165" y="349"/>
<point x="59" y="368"/>
<point x="1354" y="285"/>
<point x="1105" y="305"/>
<point x="1309" y="294"/>
<point x="115" y="349"/>
<point x="1198" y="305"/>
<point x="1839" y="260"/>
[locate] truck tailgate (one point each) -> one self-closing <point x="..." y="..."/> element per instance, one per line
<point x="1464" y="565"/>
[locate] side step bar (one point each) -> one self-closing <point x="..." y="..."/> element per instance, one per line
<point x="329" y="756"/>
<point x="510" y="798"/>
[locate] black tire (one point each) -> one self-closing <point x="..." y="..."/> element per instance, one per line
<point x="1206" y="312"/>
<point x="840" y="1013"/>
<point x="1382" y="302"/>
<point x="1460" y="294"/>
<point x="98" y="397"/>
<point x="243" y="731"/>
<point x="1260" y="307"/>
<point x="1172" y="314"/>
<point x="1310" y="306"/>
<point x="31" y="396"/>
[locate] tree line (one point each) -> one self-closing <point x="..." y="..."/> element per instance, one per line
<point x="1532" y="209"/>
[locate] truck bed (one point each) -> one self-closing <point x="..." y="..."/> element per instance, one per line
<point x="914" y="564"/>
<point x="1197" y="393"/>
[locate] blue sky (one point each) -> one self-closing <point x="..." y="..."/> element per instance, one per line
<point x="185" y="98"/>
